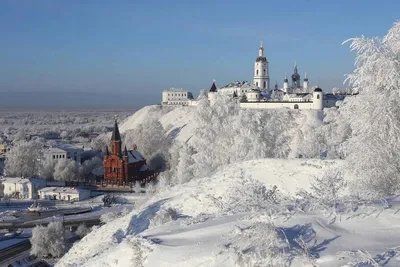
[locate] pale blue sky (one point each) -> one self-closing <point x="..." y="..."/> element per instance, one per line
<point x="139" y="47"/>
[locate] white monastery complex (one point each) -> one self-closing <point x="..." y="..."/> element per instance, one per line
<point x="295" y="94"/>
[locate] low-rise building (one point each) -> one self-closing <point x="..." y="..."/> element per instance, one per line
<point x="175" y="96"/>
<point x="21" y="188"/>
<point x="63" y="151"/>
<point x="64" y="193"/>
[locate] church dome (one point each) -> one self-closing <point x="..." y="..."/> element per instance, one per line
<point x="261" y="59"/>
<point x="318" y="89"/>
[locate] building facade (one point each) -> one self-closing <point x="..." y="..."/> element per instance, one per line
<point x="122" y="166"/>
<point x="63" y="193"/>
<point x="63" y="151"/>
<point x="21" y="188"/>
<point x="174" y="96"/>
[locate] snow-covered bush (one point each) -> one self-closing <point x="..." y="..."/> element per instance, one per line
<point x="163" y="216"/>
<point x="111" y="216"/>
<point x="82" y="230"/>
<point x="23" y="159"/>
<point x="329" y="185"/>
<point x="258" y="244"/>
<point x="48" y="241"/>
<point x="374" y="115"/>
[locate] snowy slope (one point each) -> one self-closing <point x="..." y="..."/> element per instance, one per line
<point x="210" y="214"/>
<point x="180" y="121"/>
<point x="209" y="210"/>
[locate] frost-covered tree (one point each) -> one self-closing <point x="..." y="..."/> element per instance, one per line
<point x="66" y="170"/>
<point x="23" y="159"/>
<point x="100" y="142"/>
<point x="20" y="136"/>
<point x="325" y="140"/>
<point x="47" y="167"/>
<point x="148" y="137"/>
<point x="184" y="169"/>
<point x="48" y="241"/>
<point x="373" y="151"/>
<point x="225" y="134"/>
<point x="89" y="166"/>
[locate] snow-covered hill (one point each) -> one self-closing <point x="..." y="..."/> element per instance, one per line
<point x="214" y="221"/>
<point x="181" y="121"/>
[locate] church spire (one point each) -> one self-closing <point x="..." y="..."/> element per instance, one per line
<point x="116" y="140"/>
<point x="115" y="134"/>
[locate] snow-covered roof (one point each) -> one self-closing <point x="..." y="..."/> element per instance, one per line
<point x="19" y="180"/>
<point x="299" y="95"/>
<point x="134" y="156"/>
<point x="14" y="180"/>
<point x="67" y="190"/>
<point x="55" y="150"/>
<point x="68" y="147"/>
<point x="175" y="90"/>
<point x="238" y="84"/>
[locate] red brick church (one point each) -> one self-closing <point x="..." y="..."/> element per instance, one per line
<point x="123" y="166"/>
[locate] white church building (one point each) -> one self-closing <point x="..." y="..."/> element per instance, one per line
<point x="258" y="95"/>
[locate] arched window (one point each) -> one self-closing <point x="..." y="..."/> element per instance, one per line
<point x="257" y="72"/>
<point x="264" y="71"/>
<point x="256" y="85"/>
<point x="296" y="106"/>
<point x="317" y="96"/>
<point x="265" y="84"/>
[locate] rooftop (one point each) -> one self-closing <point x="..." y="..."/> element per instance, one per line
<point x="134" y="156"/>
<point x="68" y="190"/>
<point x="19" y="180"/>
<point x="175" y="90"/>
<point x="238" y="84"/>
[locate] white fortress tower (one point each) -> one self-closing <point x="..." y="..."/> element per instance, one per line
<point x="285" y="84"/>
<point x="261" y="72"/>
<point x="318" y="99"/>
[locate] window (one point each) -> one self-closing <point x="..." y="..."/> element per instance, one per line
<point x="54" y="156"/>
<point x="114" y="169"/>
<point x="317" y="96"/>
<point x="256" y="85"/>
<point x="257" y="72"/>
<point x="265" y="84"/>
<point x="296" y="106"/>
<point x="264" y="72"/>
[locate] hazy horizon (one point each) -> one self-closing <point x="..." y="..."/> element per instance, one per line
<point x="129" y="51"/>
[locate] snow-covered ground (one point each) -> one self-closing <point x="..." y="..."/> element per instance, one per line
<point x="244" y="214"/>
<point x="201" y="223"/>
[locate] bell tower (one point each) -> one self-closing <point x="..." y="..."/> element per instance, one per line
<point x="261" y="72"/>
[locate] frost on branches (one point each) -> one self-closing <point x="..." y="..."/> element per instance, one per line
<point x="227" y="134"/>
<point x="48" y="241"/>
<point x="373" y="151"/>
<point x="23" y="159"/>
